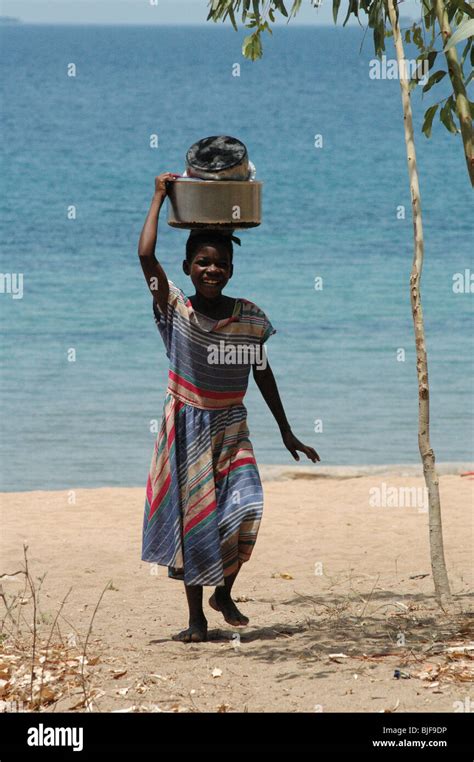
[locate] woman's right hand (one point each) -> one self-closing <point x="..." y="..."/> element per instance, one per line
<point x="160" y="183"/>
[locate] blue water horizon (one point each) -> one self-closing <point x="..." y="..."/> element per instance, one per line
<point x="331" y="212"/>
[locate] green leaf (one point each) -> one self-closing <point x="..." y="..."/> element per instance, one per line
<point x="213" y="5"/>
<point x="377" y="41"/>
<point x="428" y="121"/>
<point x="218" y="9"/>
<point x="465" y="52"/>
<point x="379" y="38"/>
<point x="374" y="14"/>
<point x="252" y="46"/>
<point x="419" y="73"/>
<point x="353" y="8"/>
<point x="432" y="58"/>
<point x="256" y="9"/>
<point x="451" y="10"/>
<point x="447" y="118"/>
<point x="232" y="17"/>
<point x="417" y="37"/>
<point x="428" y="14"/>
<point x="467" y="9"/>
<point x="281" y="7"/>
<point x="335" y="9"/>
<point x="295" y="8"/>
<point x="463" y="31"/>
<point x="436" y="77"/>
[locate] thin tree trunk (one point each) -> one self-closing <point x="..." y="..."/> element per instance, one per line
<point x="438" y="564"/>
<point x="455" y="73"/>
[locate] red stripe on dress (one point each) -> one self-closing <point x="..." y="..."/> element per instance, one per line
<point x="201" y="498"/>
<point x="195" y="402"/>
<point x="236" y="464"/>
<point x="165" y="463"/>
<point x="160" y="495"/>
<point x="171" y="436"/>
<point x="149" y="490"/>
<point x="200" y="516"/>
<point x="202" y="392"/>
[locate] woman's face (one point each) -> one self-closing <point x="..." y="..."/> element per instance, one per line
<point x="210" y="270"/>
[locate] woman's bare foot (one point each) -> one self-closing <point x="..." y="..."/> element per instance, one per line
<point x="221" y="601"/>
<point x="196" y="632"/>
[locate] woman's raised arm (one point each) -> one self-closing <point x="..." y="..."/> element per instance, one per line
<point x="154" y="274"/>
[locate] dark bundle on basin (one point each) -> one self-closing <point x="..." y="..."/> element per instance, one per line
<point x="219" y="157"/>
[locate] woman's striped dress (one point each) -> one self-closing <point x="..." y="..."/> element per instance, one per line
<point x="204" y="496"/>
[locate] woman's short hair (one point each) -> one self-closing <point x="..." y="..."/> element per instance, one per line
<point x="199" y="238"/>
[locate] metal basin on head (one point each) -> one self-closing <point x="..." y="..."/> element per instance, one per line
<point x="232" y="204"/>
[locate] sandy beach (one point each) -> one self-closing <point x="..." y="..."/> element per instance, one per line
<point x="338" y="591"/>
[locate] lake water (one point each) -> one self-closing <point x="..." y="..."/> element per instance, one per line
<point x="328" y="212"/>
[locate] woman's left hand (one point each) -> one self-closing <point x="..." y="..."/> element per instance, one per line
<point x="293" y="444"/>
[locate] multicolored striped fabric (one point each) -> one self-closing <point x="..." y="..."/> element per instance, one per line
<point x="204" y="497"/>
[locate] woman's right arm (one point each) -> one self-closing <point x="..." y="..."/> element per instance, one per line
<point x="154" y="274"/>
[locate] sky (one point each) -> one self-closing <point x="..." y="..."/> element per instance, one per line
<point x="151" y="11"/>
